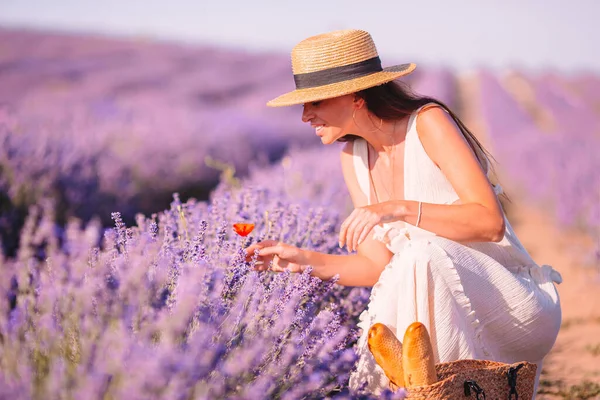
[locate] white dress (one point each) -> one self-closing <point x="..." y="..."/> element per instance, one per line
<point x="482" y="300"/>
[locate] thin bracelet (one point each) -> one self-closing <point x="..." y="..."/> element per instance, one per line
<point x="419" y="214"/>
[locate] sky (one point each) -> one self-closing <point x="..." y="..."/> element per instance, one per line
<point x="547" y="35"/>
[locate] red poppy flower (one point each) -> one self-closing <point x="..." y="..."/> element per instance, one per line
<point x="243" y="229"/>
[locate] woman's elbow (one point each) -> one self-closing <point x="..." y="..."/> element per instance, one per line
<point x="497" y="229"/>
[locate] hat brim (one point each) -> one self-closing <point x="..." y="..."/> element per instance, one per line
<point x="301" y="96"/>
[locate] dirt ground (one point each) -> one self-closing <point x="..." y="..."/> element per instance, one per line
<point x="572" y="369"/>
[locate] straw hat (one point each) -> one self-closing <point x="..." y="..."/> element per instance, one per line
<point x="334" y="64"/>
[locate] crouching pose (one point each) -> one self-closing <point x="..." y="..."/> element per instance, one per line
<point x="429" y="232"/>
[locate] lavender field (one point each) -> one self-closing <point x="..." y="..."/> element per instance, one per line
<point x="546" y="132"/>
<point x="124" y="164"/>
<point x="102" y="125"/>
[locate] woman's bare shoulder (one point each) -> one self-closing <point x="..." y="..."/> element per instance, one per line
<point x="433" y="115"/>
<point x="438" y="131"/>
<point x="448" y="148"/>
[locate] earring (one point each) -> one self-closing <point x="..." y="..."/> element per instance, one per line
<point x="376" y="129"/>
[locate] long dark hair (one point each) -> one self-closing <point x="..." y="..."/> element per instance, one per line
<point x="393" y="100"/>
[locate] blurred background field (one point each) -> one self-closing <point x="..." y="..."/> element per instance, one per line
<point x="92" y="124"/>
<point x="102" y="125"/>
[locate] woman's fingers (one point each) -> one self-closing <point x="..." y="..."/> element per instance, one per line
<point x="360" y="228"/>
<point x="275" y="264"/>
<point x="258" y="246"/>
<point x="269" y="255"/>
<point x="344" y="228"/>
<point x="359" y="235"/>
<point x="279" y="265"/>
<point x="271" y="250"/>
<point x="352" y="228"/>
<point x="275" y="256"/>
<point x="363" y="235"/>
<point x="250" y="251"/>
<point x="365" y="230"/>
<point x="261" y="266"/>
<point x="352" y="233"/>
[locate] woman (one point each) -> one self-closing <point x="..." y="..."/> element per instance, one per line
<point x="429" y="232"/>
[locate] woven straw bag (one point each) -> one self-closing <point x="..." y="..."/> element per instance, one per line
<point x="479" y="379"/>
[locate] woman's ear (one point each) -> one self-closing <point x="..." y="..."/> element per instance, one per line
<point x="358" y="102"/>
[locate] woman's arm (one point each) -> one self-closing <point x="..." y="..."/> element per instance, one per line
<point x="361" y="269"/>
<point x="478" y="217"/>
<point x="353" y="270"/>
<point x="472" y="222"/>
<point x="475" y="217"/>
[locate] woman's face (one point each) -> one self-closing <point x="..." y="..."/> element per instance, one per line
<point x="331" y="118"/>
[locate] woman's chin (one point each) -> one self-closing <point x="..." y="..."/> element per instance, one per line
<point x="326" y="139"/>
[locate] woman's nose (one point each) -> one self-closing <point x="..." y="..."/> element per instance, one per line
<point x="307" y="113"/>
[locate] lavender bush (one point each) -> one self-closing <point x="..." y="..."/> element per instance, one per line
<point x="168" y="308"/>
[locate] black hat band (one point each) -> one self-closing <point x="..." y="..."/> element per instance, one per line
<point x="338" y="74"/>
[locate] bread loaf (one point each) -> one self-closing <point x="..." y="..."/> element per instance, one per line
<point x="387" y="351"/>
<point x="417" y="358"/>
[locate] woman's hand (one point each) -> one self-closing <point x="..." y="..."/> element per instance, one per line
<point x="283" y="256"/>
<point x="356" y="227"/>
